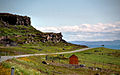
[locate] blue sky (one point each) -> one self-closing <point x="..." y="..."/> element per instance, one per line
<point x="78" y="20"/>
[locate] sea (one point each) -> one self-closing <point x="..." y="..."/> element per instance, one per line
<point x="92" y="44"/>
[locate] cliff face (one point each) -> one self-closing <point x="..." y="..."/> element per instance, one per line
<point x="15" y="19"/>
<point x="54" y="37"/>
<point x="31" y="38"/>
<point x="15" y="29"/>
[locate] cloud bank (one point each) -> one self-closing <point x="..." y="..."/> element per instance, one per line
<point x="87" y="32"/>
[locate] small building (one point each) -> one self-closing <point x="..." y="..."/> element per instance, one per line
<point x="73" y="59"/>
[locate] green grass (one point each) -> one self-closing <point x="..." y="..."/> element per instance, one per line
<point x="11" y="30"/>
<point x="35" y="67"/>
<point x="20" y="30"/>
<point x="104" y="58"/>
<point x="99" y="57"/>
<point x="40" y="47"/>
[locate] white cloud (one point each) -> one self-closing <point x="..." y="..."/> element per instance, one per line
<point x="87" y="31"/>
<point x="83" y="28"/>
<point x="118" y="22"/>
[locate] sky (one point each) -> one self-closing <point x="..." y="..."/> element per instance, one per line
<point x="78" y="20"/>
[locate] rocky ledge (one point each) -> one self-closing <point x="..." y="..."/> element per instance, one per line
<point x="15" y="19"/>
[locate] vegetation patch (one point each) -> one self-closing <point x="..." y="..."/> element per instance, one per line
<point x="33" y="65"/>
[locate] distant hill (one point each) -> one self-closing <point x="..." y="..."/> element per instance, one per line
<point x="97" y="42"/>
<point x="108" y="44"/>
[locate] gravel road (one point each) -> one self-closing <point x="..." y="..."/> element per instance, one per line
<point x="4" y="58"/>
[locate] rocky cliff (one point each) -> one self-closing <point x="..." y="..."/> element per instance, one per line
<point x="54" y="37"/>
<point x="15" y="29"/>
<point x="15" y="19"/>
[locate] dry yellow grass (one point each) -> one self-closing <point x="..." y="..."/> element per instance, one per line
<point x="25" y="59"/>
<point x="4" y="71"/>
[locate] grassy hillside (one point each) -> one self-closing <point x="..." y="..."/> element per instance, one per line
<point x="19" y="33"/>
<point x="11" y="30"/>
<point x="105" y="59"/>
<point x="21" y="39"/>
<point x="39" y="47"/>
<point x="100" y="57"/>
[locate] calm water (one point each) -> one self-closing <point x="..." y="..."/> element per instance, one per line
<point x="92" y="44"/>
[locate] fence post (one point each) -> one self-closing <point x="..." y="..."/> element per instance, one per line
<point x="12" y="71"/>
<point x="0" y="58"/>
<point x="46" y="57"/>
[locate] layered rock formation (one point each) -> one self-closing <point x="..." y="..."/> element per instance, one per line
<point x="15" y="19"/>
<point x="28" y="33"/>
<point x="5" y="40"/>
<point x="54" y="37"/>
<point x="31" y="38"/>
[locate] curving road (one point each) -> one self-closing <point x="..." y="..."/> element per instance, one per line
<point x="4" y="58"/>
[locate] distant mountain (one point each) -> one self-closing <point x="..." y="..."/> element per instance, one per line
<point x="108" y="44"/>
<point x="117" y="42"/>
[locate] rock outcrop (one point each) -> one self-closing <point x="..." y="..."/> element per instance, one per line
<point x="31" y="38"/>
<point x="5" y="40"/>
<point x="15" y="19"/>
<point x="24" y="34"/>
<point x="54" y="37"/>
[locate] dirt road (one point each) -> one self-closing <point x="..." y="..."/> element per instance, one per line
<point x="3" y="58"/>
